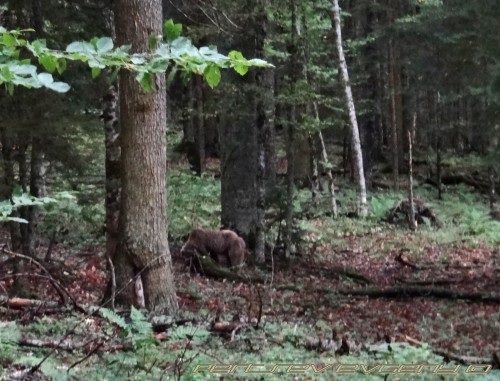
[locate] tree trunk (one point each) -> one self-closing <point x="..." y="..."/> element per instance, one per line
<point x="143" y="246"/>
<point x="411" y="214"/>
<point x="112" y="183"/>
<point x="290" y="185"/>
<point x="314" y="179"/>
<point x="394" y="121"/>
<point x="328" y="170"/>
<point x="199" y="125"/>
<point x="356" y="144"/>
<point x="264" y="122"/>
<point x="18" y="287"/>
<point x="240" y="139"/>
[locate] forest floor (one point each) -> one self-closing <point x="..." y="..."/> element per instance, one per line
<point x="363" y="284"/>
<point x="304" y="291"/>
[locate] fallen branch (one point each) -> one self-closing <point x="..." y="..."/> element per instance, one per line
<point x="208" y="267"/>
<point x="58" y="287"/>
<point x="347" y="272"/>
<point x="19" y="303"/>
<point x="431" y="282"/>
<point x="46" y="344"/>
<point x="415" y="292"/>
<point x="405" y="262"/>
<point x="448" y="356"/>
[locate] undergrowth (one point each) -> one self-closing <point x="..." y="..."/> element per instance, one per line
<point x="190" y="352"/>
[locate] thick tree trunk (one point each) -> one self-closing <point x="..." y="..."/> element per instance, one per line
<point x="143" y="246"/>
<point x="240" y="129"/>
<point x="356" y="144"/>
<point x="265" y="124"/>
<point x="18" y="287"/>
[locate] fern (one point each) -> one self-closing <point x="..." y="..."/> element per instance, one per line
<point x="113" y="317"/>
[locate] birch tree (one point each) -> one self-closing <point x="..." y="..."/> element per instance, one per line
<point x="356" y="143"/>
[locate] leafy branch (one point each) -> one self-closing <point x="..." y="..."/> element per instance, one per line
<point x="165" y="51"/>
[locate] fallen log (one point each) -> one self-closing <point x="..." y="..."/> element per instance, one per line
<point x="19" y="303"/>
<point x="416" y="292"/>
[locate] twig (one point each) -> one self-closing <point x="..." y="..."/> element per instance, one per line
<point x="60" y="289"/>
<point x="93" y="351"/>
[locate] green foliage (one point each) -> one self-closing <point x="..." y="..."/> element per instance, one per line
<point x="188" y="346"/>
<point x="139" y="330"/>
<point x="70" y="221"/>
<point x="172" y="30"/>
<point x="9" y="335"/>
<point x="380" y="204"/>
<point x="20" y="199"/>
<point x="100" y="53"/>
<point x="466" y="215"/>
<point x="17" y="71"/>
<point x="193" y="201"/>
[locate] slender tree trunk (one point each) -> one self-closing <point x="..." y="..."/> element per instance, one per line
<point x="328" y="170"/>
<point x="438" y="144"/>
<point x="200" y="127"/>
<point x="394" y="123"/>
<point x="411" y="214"/>
<point x="38" y="169"/>
<point x="290" y="185"/>
<point x="314" y="180"/>
<point x="356" y="143"/>
<point x="112" y="184"/>
<point x="143" y="246"/>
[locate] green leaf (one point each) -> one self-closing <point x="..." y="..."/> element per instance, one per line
<point x="95" y="72"/>
<point x="104" y="44"/>
<point x="48" y="62"/>
<point x="146" y="81"/>
<point x="212" y="75"/>
<point x="17" y="219"/>
<point x="9" y="40"/>
<point x="60" y="87"/>
<point x="45" y="79"/>
<point x="80" y="47"/>
<point x="61" y="65"/>
<point x="241" y="69"/>
<point x="235" y="55"/>
<point x="171" y="30"/>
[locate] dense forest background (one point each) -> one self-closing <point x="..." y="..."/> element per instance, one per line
<point x="382" y="250"/>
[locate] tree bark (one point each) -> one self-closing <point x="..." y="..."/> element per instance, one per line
<point x="356" y="144"/>
<point x="143" y="246"/>
<point x="265" y="124"/>
<point x="413" y="222"/>
<point x="199" y="125"/>
<point x="394" y="120"/>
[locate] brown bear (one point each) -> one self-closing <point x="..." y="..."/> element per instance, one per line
<point x="223" y="246"/>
